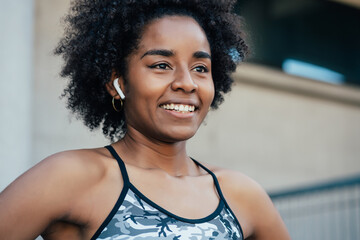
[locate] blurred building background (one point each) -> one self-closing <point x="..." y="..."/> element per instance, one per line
<point x="291" y="122"/>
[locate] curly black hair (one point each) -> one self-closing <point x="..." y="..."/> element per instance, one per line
<point x="100" y="34"/>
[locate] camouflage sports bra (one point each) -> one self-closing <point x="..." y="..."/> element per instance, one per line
<point x="134" y="216"/>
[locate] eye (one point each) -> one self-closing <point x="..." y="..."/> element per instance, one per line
<point x="163" y="66"/>
<point x="200" y="69"/>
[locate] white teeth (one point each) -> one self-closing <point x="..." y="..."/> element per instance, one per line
<point x="178" y="107"/>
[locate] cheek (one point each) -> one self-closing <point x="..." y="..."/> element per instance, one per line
<point x="139" y="87"/>
<point x="146" y="85"/>
<point x="143" y="96"/>
<point x="207" y="91"/>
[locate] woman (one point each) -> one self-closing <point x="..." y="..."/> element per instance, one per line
<point x="148" y="72"/>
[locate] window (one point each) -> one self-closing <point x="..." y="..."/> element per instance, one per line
<point x="322" y="37"/>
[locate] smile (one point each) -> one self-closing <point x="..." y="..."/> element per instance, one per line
<point x="183" y="108"/>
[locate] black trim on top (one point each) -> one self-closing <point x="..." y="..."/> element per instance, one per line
<point x="213" y="176"/>
<point x="236" y="220"/>
<point x="128" y="185"/>
<point x="120" y="162"/>
<point x="220" y="194"/>
<point x="218" y="209"/>
<point x="112" y="213"/>
<point x="212" y="215"/>
<point x="122" y="194"/>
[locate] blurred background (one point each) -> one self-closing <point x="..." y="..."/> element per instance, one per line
<point x="291" y="122"/>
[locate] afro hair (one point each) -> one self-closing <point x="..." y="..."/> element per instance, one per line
<point x="100" y="34"/>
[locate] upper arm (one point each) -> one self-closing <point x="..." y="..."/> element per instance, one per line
<point x="253" y="208"/>
<point x="266" y="219"/>
<point x="39" y="196"/>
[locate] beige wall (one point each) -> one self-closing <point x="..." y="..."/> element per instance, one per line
<point x="280" y="132"/>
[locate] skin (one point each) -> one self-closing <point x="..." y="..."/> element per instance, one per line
<point x="69" y="194"/>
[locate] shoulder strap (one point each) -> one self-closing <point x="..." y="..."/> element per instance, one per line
<point x="120" y="162"/>
<point x="216" y="182"/>
<point x="217" y="185"/>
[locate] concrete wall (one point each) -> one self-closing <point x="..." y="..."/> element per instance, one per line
<point x="54" y="128"/>
<point x="16" y="48"/>
<point x="282" y="131"/>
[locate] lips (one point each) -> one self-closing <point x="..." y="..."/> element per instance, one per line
<point x="183" y="108"/>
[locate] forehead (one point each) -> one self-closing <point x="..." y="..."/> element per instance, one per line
<point x="174" y="31"/>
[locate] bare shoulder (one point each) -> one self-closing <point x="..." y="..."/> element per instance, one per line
<point x="72" y="166"/>
<point x="83" y="164"/>
<point x="242" y="191"/>
<point x="46" y="192"/>
<point x="237" y="184"/>
<point x="69" y="170"/>
<point x="251" y="205"/>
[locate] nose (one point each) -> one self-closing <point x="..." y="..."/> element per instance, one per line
<point x="183" y="81"/>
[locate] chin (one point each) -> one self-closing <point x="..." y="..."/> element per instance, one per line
<point x="178" y="135"/>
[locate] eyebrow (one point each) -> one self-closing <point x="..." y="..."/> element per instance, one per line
<point x="201" y="54"/>
<point x="161" y="52"/>
<point x="169" y="53"/>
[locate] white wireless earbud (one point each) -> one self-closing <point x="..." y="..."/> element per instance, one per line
<point x="117" y="87"/>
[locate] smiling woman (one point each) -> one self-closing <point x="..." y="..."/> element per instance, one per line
<point x="171" y="67"/>
<point x="148" y="72"/>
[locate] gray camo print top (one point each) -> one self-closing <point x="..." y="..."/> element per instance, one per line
<point x="136" y="217"/>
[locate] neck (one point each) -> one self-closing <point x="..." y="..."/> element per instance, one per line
<point x="141" y="151"/>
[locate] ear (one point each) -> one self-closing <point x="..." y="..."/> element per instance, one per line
<point x="110" y="86"/>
